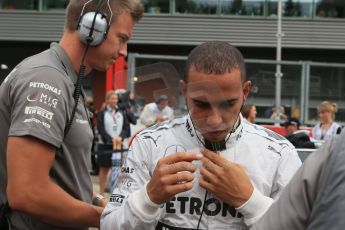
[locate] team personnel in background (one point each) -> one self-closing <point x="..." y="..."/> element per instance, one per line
<point x="43" y="173"/>
<point x="282" y="114"/>
<point x="110" y="122"/>
<point x="299" y="138"/>
<point x="128" y="105"/>
<point x="156" y="112"/>
<point x="249" y="112"/>
<point x="192" y="172"/>
<point x="314" y="199"/>
<point x="327" y="127"/>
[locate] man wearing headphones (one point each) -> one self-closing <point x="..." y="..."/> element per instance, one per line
<point x="192" y="172"/>
<point x="156" y="112"/>
<point x="45" y="141"/>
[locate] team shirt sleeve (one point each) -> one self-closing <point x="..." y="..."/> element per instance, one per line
<point x="40" y="103"/>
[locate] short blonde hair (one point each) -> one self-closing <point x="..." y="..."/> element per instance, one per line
<point x="327" y="106"/>
<point x="109" y="94"/>
<point x="134" y="7"/>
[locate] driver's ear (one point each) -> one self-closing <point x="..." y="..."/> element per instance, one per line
<point x="246" y="89"/>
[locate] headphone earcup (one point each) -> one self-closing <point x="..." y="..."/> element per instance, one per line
<point x="95" y="36"/>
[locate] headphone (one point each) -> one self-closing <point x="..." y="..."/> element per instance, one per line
<point x="93" y="26"/>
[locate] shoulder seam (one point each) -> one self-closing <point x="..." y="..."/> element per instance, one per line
<point x="164" y="126"/>
<point x="269" y="135"/>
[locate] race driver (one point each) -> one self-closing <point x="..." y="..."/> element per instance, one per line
<point x="210" y="169"/>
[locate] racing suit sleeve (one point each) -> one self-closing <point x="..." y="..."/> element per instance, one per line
<point x="258" y="204"/>
<point x="292" y="209"/>
<point x="129" y="206"/>
<point x="255" y="207"/>
<point x="288" y="166"/>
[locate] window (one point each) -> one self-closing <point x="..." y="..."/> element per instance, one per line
<point x="330" y="8"/>
<point x="19" y="4"/>
<point x="240" y="7"/>
<point x="54" y="4"/>
<point x="196" y="6"/>
<point x="156" y="6"/>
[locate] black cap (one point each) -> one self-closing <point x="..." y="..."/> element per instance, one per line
<point x="292" y="121"/>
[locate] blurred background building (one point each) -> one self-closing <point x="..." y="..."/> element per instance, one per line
<point x="313" y="48"/>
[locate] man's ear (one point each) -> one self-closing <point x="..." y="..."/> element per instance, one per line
<point x="246" y="89"/>
<point x="184" y="88"/>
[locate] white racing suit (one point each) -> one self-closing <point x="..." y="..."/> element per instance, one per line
<point x="268" y="158"/>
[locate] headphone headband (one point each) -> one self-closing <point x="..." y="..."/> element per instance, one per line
<point x="93" y="26"/>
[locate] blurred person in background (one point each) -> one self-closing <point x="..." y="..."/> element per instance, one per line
<point x="249" y="112"/>
<point x="327" y="127"/>
<point x="93" y="120"/>
<point x="156" y="112"/>
<point x="282" y="115"/>
<point x="299" y="138"/>
<point x="127" y="105"/>
<point x="110" y="122"/>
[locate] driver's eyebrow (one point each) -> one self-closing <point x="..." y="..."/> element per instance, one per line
<point x="206" y="102"/>
<point x="201" y="101"/>
<point x="230" y="101"/>
<point x="124" y="36"/>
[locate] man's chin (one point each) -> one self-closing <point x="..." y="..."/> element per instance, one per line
<point x="215" y="136"/>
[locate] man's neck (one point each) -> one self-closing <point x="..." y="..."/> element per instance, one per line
<point x="74" y="48"/>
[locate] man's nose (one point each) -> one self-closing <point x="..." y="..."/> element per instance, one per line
<point x="214" y="119"/>
<point x="123" y="50"/>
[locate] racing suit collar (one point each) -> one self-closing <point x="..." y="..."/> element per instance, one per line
<point x="234" y="136"/>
